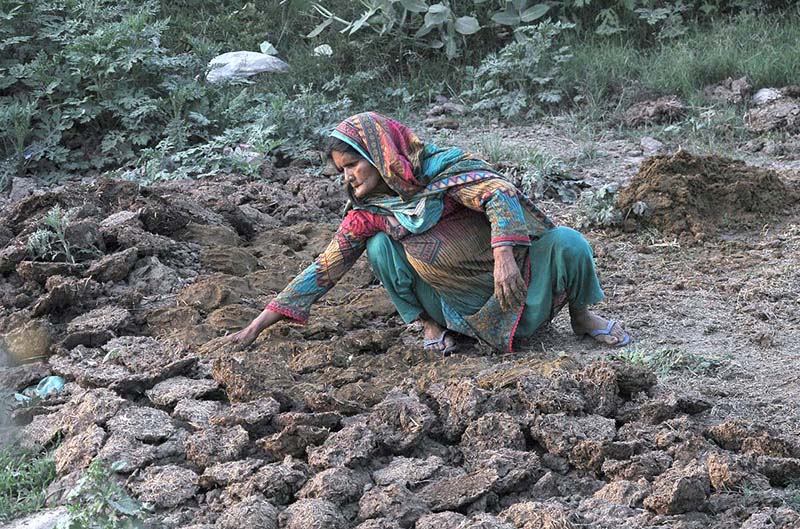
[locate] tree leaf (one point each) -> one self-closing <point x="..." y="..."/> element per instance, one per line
<point x="422" y="31"/>
<point x="437" y="14"/>
<point x="415" y="6"/>
<point x="506" y="18"/>
<point x="360" y="22"/>
<point x="127" y="506"/>
<point x="467" y="25"/>
<point x="534" y="13"/>
<point x="319" y="29"/>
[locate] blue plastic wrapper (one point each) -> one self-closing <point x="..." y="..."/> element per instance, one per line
<point x="46" y="386"/>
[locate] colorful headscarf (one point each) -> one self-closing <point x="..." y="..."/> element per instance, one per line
<point x="419" y="173"/>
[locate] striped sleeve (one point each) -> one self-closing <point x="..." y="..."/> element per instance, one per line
<point x="329" y="267"/>
<point x="499" y="200"/>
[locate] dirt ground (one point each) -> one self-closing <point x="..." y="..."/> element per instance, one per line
<point x="348" y="422"/>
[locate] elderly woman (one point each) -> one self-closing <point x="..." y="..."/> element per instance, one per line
<point x="455" y="245"/>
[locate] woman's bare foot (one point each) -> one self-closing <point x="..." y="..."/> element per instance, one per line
<point x="585" y="321"/>
<point x="437" y="337"/>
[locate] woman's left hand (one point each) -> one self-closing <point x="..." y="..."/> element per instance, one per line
<point x="509" y="287"/>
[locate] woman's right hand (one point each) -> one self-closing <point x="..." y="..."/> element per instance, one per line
<point x="245" y="338"/>
<point x="509" y="287"/>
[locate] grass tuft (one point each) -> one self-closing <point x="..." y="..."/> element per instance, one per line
<point x="764" y="48"/>
<point x="24" y="478"/>
<point x="666" y="360"/>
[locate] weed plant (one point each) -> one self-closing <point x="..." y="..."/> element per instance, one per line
<point x="99" y="502"/>
<point x="598" y="208"/>
<point x="534" y="171"/>
<point x="523" y="77"/>
<point x="50" y="242"/>
<point x="24" y="478"/>
<point x="495" y="149"/>
<point x="666" y="360"/>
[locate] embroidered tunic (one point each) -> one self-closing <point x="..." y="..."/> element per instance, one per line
<point x="454" y="256"/>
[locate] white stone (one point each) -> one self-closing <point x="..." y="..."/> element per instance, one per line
<point x="40" y="520"/>
<point x="765" y="95"/>
<point x="651" y="146"/>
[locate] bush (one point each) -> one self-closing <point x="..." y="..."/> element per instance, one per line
<point x="599" y="208"/>
<point x="98" y="502"/>
<point x="49" y="243"/>
<point x="260" y="126"/>
<point x="89" y="86"/>
<point x="523" y="76"/>
<point x="86" y="85"/>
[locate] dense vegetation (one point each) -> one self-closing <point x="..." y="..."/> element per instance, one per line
<point x="24" y="478"/>
<point x="119" y="85"/>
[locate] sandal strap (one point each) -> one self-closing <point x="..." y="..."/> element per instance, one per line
<point x="436" y="341"/>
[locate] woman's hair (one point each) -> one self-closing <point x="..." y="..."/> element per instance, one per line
<point x="335" y="144"/>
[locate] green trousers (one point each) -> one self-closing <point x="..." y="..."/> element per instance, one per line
<point x="562" y="268"/>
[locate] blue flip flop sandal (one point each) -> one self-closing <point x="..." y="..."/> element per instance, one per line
<point x="438" y="343"/>
<point x="626" y="338"/>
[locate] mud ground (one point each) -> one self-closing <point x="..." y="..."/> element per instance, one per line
<point x="348" y="422"/>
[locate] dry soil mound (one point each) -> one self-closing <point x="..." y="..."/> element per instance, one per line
<point x="694" y="196"/>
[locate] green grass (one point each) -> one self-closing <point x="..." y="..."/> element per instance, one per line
<point x="99" y="501"/>
<point x="666" y="360"/>
<point x="763" y="48"/>
<point x="24" y="477"/>
<point x="495" y="149"/>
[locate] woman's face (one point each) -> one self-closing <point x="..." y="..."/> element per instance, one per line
<point x="359" y="174"/>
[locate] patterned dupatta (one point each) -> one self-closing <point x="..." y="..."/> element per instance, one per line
<point x="419" y="173"/>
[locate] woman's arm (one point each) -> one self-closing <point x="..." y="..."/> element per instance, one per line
<point x="295" y="301"/>
<point x="509" y="287"/>
<point x="498" y="200"/>
<point x="249" y="334"/>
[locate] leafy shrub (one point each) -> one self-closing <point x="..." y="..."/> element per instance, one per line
<point x="522" y="76"/>
<point x="50" y="242"/>
<point x="98" y="502"/>
<point x="436" y="26"/>
<point x="24" y="478"/>
<point x="86" y="85"/>
<point x="537" y="173"/>
<point x="261" y="126"/>
<point x="89" y="86"/>
<point x="599" y="208"/>
<point x="546" y="176"/>
<point x="444" y="25"/>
